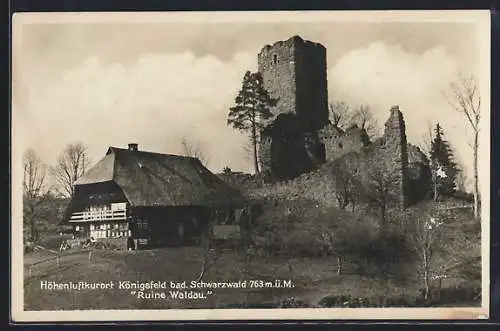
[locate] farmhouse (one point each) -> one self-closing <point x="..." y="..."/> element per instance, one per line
<point x="155" y="199"/>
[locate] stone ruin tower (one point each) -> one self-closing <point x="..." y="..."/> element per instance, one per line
<point x="395" y="149"/>
<point x="294" y="72"/>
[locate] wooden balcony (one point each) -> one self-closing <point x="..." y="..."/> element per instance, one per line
<point x="101" y="215"/>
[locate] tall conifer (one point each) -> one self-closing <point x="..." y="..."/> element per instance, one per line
<point x="252" y="105"/>
<point x="442" y="158"/>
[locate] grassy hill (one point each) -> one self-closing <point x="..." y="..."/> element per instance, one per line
<point x="377" y="267"/>
<point x="313" y="278"/>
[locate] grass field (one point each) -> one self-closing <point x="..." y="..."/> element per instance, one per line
<point x="370" y="270"/>
<point x="312" y="279"/>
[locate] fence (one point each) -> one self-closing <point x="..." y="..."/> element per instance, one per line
<point x="52" y="264"/>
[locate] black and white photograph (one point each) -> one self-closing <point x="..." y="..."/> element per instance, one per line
<point x="250" y="165"/>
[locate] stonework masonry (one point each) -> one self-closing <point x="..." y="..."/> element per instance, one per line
<point x="338" y="142"/>
<point x="299" y="138"/>
<point x="294" y="72"/>
<point x="395" y="149"/>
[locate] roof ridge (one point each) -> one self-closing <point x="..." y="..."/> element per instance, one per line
<point x="155" y="153"/>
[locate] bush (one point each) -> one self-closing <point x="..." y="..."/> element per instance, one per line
<point x="28" y="247"/>
<point x="465" y="196"/>
<point x="387" y="247"/>
<point x="291" y="302"/>
<point x="464" y="292"/>
<point x="288" y="302"/>
<point x="242" y="305"/>
<point x="53" y="241"/>
<point x="348" y="301"/>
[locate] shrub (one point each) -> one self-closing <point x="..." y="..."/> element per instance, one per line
<point x="465" y="196"/>
<point x="465" y="292"/>
<point x="291" y="302"/>
<point x="348" y="301"/>
<point x="28" y="247"/>
<point x="241" y="305"/>
<point x="53" y="241"/>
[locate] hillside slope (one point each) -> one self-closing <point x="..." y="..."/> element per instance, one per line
<point x="287" y="248"/>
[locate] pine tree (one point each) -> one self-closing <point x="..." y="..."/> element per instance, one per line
<point x="443" y="163"/>
<point x="252" y="105"/>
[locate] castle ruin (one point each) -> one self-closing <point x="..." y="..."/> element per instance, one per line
<point x="300" y="138"/>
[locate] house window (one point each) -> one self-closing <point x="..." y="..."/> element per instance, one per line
<point x="340" y="145"/>
<point x="118" y="206"/>
<point x="142" y="224"/>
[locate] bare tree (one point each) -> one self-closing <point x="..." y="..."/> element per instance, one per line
<point x="340" y="114"/>
<point x="462" y="180"/>
<point x="210" y="255"/>
<point x="380" y="184"/>
<point x="195" y="150"/>
<point x="34" y="189"/>
<point x="212" y="251"/>
<point x="437" y="176"/>
<point x="71" y="165"/>
<point x="333" y="241"/>
<point x="424" y="232"/>
<point x="345" y="184"/>
<point x="363" y="118"/>
<point x="464" y="97"/>
<point x="427" y="136"/>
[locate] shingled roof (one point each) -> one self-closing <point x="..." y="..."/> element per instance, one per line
<point x="154" y="179"/>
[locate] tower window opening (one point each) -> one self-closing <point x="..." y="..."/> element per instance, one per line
<point x="275" y="59"/>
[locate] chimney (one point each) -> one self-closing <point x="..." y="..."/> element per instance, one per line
<point x="132" y="147"/>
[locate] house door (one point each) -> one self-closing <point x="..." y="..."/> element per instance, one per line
<point x="180" y="229"/>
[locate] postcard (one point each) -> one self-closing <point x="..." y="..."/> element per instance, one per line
<point x="250" y="165"/>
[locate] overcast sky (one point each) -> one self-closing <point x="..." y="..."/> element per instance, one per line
<point x="108" y="84"/>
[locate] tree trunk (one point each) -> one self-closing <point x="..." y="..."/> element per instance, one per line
<point x="436" y="192"/>
<point x="204" y="263"/>
<point x="340" y="263"/>
<point x="382" y="216"/>
<point x="426" y="277"/>
<point x="254" y="145"/>
<point x="32" y="218"/>
<point x="476" y="175"/>
<point x="203" y="269"/>
<point x="33" y="229"/>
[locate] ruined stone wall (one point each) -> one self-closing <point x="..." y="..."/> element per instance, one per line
<point x="264" y="155"/>
<point x="396" y="154"/>
<point x="294" y="73"/>
<point x="300" y="139"/>
<point x="389" y="159"/>
<point x="288" y="154"/>
<point x="276" y="64"/>
<point x="311" y="83"/>
<point x="419" y="174"/>
<point x="338" y="142"/>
